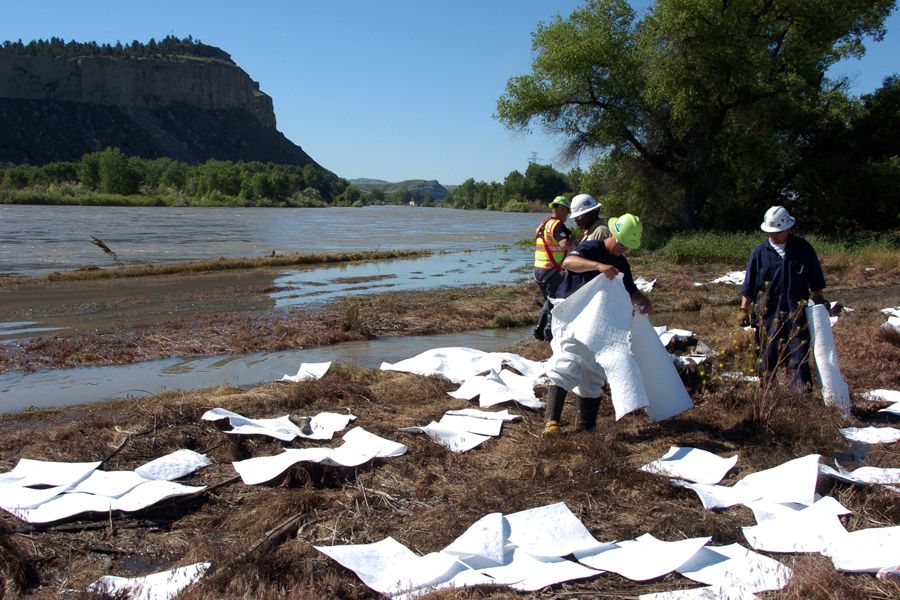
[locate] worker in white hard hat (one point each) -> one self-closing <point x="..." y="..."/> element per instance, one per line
<point x="782" y="274"/>
<point x="586" y="213"/>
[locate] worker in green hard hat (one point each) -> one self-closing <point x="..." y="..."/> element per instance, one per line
<point x="589" y="259"/>
<point x="551" y="244"/>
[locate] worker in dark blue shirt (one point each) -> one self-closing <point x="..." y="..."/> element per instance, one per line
<point x="782" y="274"/>
<point x="591" y="259"/>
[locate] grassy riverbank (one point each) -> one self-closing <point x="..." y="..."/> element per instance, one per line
<point x="260" y="539"/>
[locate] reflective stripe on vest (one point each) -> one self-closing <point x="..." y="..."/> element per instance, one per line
<point x="548" y="254"/>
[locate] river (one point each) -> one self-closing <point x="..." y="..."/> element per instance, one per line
<point x="470" y="248"/>
<point x="38" y="240"/>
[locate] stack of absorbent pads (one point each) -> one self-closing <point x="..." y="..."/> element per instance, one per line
<point x="597" y="339"/>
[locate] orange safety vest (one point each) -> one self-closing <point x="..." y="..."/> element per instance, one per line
<point x="547" y="252"/>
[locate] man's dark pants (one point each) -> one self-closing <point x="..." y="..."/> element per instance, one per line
<point x="548" y="280"/>
<point x="785" y="340"/>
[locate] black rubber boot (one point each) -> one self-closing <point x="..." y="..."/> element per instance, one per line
<point x="587" y="413"/>
<point x="556" y="399"/>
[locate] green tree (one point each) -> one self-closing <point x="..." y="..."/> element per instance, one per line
<point x="707" y="98"/>
<point x="116" y="175"/>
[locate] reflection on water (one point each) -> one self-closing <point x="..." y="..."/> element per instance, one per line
<point x="68" y="387"/>
<point x="450" y="269"/>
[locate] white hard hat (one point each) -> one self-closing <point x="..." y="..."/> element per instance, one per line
<point x="583" y="203"/>
<point x="777" y="219"/>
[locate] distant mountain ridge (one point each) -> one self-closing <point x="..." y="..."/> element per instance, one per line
<point x="425" y="187"/>
<point x="187" y="107"/>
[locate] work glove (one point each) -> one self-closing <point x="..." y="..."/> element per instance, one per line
<point x="743" y="317"/>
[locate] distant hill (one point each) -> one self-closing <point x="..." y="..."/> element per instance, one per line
<point x="430" y="188"/>
<point x="177" y="98"/>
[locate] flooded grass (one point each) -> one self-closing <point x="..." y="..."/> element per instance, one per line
<point x="219" y="264"/>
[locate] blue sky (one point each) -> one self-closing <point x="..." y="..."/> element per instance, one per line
<point x="389" y="89"/>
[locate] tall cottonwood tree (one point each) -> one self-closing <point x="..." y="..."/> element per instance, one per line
<point x="703" y="106"/>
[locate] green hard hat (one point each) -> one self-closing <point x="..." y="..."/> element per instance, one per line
<point x="627" y="230"/>
<point x="561" y="201"/>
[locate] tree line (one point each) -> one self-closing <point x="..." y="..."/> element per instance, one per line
<point x="168" y="47"/>
<point x="518" y="193"/>
<point x="702" y="113"/>
<point x="212" y="182"/>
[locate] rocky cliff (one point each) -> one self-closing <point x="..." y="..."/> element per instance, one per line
<point x="189" y="108"/>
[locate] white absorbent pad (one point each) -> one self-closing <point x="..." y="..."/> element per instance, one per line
<point x="871" y="435"/>
<point x="711" y="592"/>
<point x="176" y="465"/>
<point x="551" y="531"/>
<point x="359" y="447"/>
<point x="866" y="550"/>
<point x="309" y="372"/>
<point x="810" y="529"/>
<point x="496" y="387"/>
<point x="459" y="364"/>
<point x="76" y="488"/>
<point x="323" y="425"/>
<point x="592" y="341"/>
<point x="156" y="586"/>
<point x="643" y="558"/>
<point x="449" y="436"/>
<point x="691" y="464"/>
<point x="665" y="390"/>
<point x="863" y="475"/>
<point x="793" y="481"/>
<point x="736" y="567"/>
<point x="834" y="388"/>
<point x="889" y="396"/>
<point x="73" y="503"/>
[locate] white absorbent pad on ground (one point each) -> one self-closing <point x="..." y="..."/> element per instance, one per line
<point x="643" y="285"/>
<point x="643" y="558"/>
<point x="495" y="387"/>
<point x="763" y="510"/>
<point x="871" y="435"/>
<point x="390" y="568"/>
<point x="526" y="573"/>
<point x="889" y="396"/>
<point x="309" y="372"/>
<point x="448" y="436"/>
<point x="459" y="364"/>
<point x="359" y="447"/>
<point x="462" y="430"/>
<point x="156" y="586"/>
<point x="712" y="592"/>
<point x="793" y="481"/>
<point x="592" y="342"/>
<point x="893" y="315"/>
<point x="173" y="466"/>
<point x="834" y="388"/>
<point x="33" y="482"/>
<point x="665" y="391"/>
<point x="691" y="464"/>
<point x="810" y="529"/>
<point x="323" y="426"/>
<point x="736" y="567"/>
<point x="70" y="504"/>
<point x="77" y="488"/>
<point x="551" y="531"/>
<point x="863" y="475"/>
<point x="866" y="550"/>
